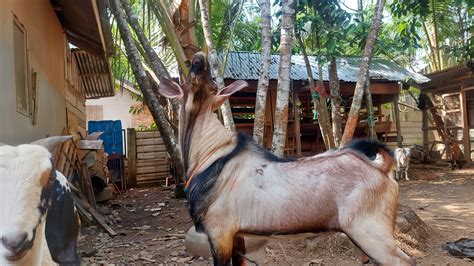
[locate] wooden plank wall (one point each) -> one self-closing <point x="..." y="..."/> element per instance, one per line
<point x="75" y="95"/>
<point x="151" y="162"/>
<point x="411" y="125"/>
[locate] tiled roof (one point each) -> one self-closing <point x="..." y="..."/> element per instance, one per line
<point x="246" y="65"/>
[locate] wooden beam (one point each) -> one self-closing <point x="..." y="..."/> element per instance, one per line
<point x="86" y="75"/>
<point x="297" y="124"/>
<point x="132" y="157"/>
<point x="465" y="123"/>
<point x="99" y="218"/>
<point x="375" y="88"/>
<point x="424" y="116"/>
<point x="397" y="120"/>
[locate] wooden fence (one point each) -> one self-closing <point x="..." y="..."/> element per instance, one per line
<point x="148" y="161"/>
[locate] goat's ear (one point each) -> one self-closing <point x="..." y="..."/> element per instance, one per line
<point x="170" y="89"/>
<point x="52" y="143"/>
<point x="226" y="92"/>
<point x="62" y="224"/>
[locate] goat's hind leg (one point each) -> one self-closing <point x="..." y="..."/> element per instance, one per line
<point x="238" y="251"/>
<point x="377" y="241"/>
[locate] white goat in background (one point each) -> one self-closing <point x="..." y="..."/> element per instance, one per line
<point x="402" y="159"/>
<point x="38" y="221"/>
<point x="235" y="188"/>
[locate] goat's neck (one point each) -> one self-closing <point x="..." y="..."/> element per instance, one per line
<point x="209" y="140"/>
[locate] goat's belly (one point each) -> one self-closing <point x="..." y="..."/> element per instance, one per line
<point x="289" y="220"/>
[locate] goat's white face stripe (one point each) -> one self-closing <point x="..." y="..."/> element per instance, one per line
<point x="21" y="186"/>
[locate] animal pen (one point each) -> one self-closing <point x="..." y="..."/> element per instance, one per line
<point x="385" y="84"/>
<point x="450" y="113"/>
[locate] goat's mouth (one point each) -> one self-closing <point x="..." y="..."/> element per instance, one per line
<point x="16" y="256"/>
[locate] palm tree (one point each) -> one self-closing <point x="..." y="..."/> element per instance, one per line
<point x="319" y="104"/>
<point x="133" y="55"/>
<point x="283" y="87"/>
<point x="353" y="115"/>
<point x="263" y="81"/>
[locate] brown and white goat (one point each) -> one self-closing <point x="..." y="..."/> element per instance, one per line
<point x="38" y="223"/>
<point x="455" y="155"/>
<point x="236" y="188"/>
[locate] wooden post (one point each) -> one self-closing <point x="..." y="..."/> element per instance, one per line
<point x="465" y="127"/>
<point x="132" y="157"/>
<point x="397" y="120"/>
<point x="424" y="127"/>
<point x="297" y="124"/>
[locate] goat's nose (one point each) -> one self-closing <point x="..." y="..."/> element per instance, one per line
<point x="16" y="243"/>
<point x="198" y="63"/>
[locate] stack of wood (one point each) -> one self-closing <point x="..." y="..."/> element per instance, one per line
<point x="418" y="154"/>
<point x="93" y="153"/>
<point x="70" y="160"/>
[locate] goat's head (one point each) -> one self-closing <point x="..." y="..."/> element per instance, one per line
<point x="199" y="98"/>
<point x="31" y="193"/>
<point x="199" y="93"/>
<point x="407" y="151"/>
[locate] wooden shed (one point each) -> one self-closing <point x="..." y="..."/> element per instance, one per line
<point x="385" y="79"/>
<point x="452" y="116"/>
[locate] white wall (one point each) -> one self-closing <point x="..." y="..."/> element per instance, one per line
<point x="113" y="108"/>
<point x="46" y="57"/>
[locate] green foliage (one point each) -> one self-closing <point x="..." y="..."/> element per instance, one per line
<point x="235" y="25"/>
<point x="153" y="126"/>
<point x="135" y="110"/>
<point x="421" y="22"/>
<point x="326" y="28"/>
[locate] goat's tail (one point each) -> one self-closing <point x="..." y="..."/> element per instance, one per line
<point x="378" y="153"/>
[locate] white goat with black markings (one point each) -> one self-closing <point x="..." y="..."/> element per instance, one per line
<point x="402" y="159"/>
<point x="236" y="189"/>
<point x="38" y="222"/>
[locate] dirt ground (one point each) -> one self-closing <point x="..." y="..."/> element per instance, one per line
<point x="151" y="225"/>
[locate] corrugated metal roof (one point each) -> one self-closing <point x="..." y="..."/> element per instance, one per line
<point x="246" y="65"/>
<point x="95" y="74"/>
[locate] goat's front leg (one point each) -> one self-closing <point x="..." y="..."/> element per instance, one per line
<point x="406" y="173"/>
<point x="221" y="246"/>
<point x="238" y="251"/>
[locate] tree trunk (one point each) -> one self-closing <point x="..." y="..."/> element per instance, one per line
<point x="435" y="35"/>
<point x="184" y="25"/>
<point x="214" y="64"/>
<point x="156" y="64"/>
<point x="370" y="110"/>
<point x="260" y="103"/>
<point x="323" y="116"/>
<point x="149" y="96"/>
<point x="162" y="13"/>
<point x="283" y="88"/>
<point x="353" y="116"/>
<point x="335" y="102"/>
<point x="434" y="61"/>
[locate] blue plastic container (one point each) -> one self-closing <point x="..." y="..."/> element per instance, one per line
<point x="112" y="136"/>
